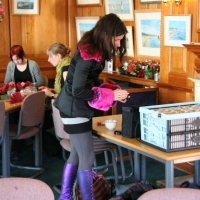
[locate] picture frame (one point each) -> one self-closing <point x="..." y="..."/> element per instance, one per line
<point x="147" y="26"/>
<point x="124" y="9"/>
<point x="177" y="30"/>
<point x="129" y="42"/>
<point x="25" y="7"/>
<point x="198" y="17"/>
<point x="89" y="2"/>
<point x="150" y="1"/>
<point x="84" y="24"/>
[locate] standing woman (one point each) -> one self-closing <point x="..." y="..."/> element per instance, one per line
<point x="59" y="57"/>
<point x="20" y="69"/>
<point x="81" y="94"/>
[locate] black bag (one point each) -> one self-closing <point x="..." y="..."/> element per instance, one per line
<point x="135" y="191"/>
<point x="187" y="184"/>
<point x="131" y="122"/>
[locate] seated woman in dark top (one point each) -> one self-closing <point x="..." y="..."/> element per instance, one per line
<point x="21" y="69"/>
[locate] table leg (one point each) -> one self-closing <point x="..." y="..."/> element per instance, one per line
<point x="6" y="151"/>
<point x="143" y="167"/>
<point x="137" y="173"/>
<point x="169" y="174"/>
<point x="196" y="171"/>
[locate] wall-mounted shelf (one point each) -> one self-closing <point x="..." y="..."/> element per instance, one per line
<point x="195" y="48"/>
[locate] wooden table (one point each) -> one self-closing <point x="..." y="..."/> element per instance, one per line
<point x="9" y="108"/>
<point x="141" y="151"/>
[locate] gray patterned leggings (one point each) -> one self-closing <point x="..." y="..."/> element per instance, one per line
<point x="82" y="151"/>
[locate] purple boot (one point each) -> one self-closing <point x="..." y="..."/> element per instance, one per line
<point x="85" y="182"/>
<point x="68" y="180"/>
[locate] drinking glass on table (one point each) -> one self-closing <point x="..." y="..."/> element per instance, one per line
<point x="34" y="85"/>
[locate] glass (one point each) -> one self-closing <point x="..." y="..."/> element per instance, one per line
<point x="10" y="92"/>
<point x="34" y="86"/>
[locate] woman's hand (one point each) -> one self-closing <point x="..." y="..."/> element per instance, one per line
<point x="46" y="90"/>
<point x="120" y="95"/>
<point x="23" y="84"/>
<point x="11" y="83"/>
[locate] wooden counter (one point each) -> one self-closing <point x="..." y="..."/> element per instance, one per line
<point x="131" y="79"/>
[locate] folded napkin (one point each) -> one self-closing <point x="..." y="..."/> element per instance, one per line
<point x="28" y="83"/>
<point x="15" y="98"/>
<point x="19" y="86"/>
<point x="11" y="86"/>
<point x="3" y="89"/>
<point x="22" y="85"/>
<point x="6" y="87"/>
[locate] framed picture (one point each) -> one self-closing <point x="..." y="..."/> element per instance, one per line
<point x="177" y="30"/>
<point x="147" y="25"/>
<point x="84" y="24"/>
<point x="198" y="16"/>
<point x="89" y="2"/>
<point x="150" y="1"/>
<point x="129" y="42"/>
<point x="25" y="7"/>
<point x="124" y="9"/>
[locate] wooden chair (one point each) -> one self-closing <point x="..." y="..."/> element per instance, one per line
<point x="172" y="194"/>
<point x="30" y="124"/>
<point x="24" y="189"/>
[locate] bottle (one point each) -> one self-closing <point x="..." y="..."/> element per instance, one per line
<point x="156" y="77"/>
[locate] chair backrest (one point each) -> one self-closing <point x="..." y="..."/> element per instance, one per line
<point x="2" y="120"/>
<point x="24" y="188"/>
<point x="172" y="194"/>
<point x="58" y="124"/>
<point x="32" y="109"/>
<point x="46" y="81"/>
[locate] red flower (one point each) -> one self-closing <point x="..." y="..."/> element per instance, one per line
<point x="121" y="65"/>
<point x="130" y="68"/>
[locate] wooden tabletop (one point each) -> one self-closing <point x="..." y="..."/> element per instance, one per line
<point x="132" y="143"/>
<point x="10" y="107"/>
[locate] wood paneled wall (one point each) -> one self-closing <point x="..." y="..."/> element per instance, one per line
<point x="177" y="63"/>
<point x="56" y="23"/>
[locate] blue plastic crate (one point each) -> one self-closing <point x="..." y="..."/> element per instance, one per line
<point x="171" y="127"/>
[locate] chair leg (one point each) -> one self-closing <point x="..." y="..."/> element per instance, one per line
<point x="38" y="157"/>
<point x="113" y="164"/>
<point x="124" y="176"/>
<point x="38" y="149"/>
<point x="122" y="164"/>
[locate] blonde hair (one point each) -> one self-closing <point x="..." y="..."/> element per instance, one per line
<point x="58" y="48"/>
